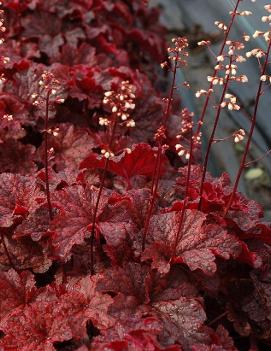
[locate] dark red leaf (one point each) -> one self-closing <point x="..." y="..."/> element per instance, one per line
<point x="140" y="161"/>
<point x="35" y="226"/>
<point x="16" y="157"/>
<point x="220" y="341"/>
<point x="183" y="318"/>
<point x="258" y="305"/>
<point x="17" y="192"/>
<point x="16" y="290"/>
<point x="56" y="316"/>
<point x="24" y="254"/>
<point x="70" y="146"/>
<point x="198" y="243"/>
<point x="132" y="280"/>
<point x="136" y="341"/>
<point x="73" y="223"/>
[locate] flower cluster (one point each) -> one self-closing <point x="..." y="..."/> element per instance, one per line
<point x="233" y="56"/>
<point x="221" y="25"/>
<point x="204" y="43"/>
<point x="230" y="102"/>
<point x="2" y="25"/>
<point x="265" y="19"/>
<point x="182" y="151"/>
<point x="7" y="117"/>
<point x="49" y="90"/>
<point x="226" y="70"/>
<point x="257" y="52"/>
<point x="203" y="92"/>
<point x="186" y="122"/>
<point x="239" y="135"/>
<point x="242" y="13"/>
<point x="265" y="78"/>
<point x="3" y="59"/>
<point x="186" y="136"/>
<point x="177" y="53"/>
<point x="120" y="103"/>
<point x="266" y="35"/>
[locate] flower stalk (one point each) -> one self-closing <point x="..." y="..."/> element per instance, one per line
<point x="101" y="187"/>
<point x="47" y="184"/>
<point x="215" y="72"/>
<point x="211" y="139"/>
<point x="120" y="102"/>
<point x="251" y="131"/>
<point x="208" y="95"/>
<point x="178" y="55"/>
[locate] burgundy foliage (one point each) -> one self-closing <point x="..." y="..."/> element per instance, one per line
<point x="205" y="287"/>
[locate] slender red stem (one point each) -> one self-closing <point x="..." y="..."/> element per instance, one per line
<point x="211" y="139"/>
<point x="252" y="127"/>
<point x="167" y="112"/>
<point x="47" y="185"/>
<point x="101" y="187"/>
<point x="156" y="173"/>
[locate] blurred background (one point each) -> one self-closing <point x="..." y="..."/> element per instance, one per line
<point x="195" y="19"/>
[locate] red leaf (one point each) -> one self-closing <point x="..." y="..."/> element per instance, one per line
<point x="71" y="145"/>
<point x="245" y="213"/>
<point x="258" y="305"/>
<point x="132" y="280"/>
<point x="97" y="303"/>
<point x="140" y="201"/>
<point x="73" y="222"/>
<point x="71" y="56"/>
<point x="56" y="316"/>
<point x="25" y="254"/>
<point x="183" y="318"/>
<point x="136" y="341"/>
<point x="140" y="161"/>
<point x="35" y="226"/>
<point x="18" y="195"/>
<point x="15" y="291"/>
<point x="262" y="232"/>
<point x="198" y="243"/>
<point x="221" y="341"/>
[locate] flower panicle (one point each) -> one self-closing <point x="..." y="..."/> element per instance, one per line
<point x="48" y="88"/>
<point x="177" y="53"/>
<point x="3" y="59"/>
<point x="187" y="136"/>
<point x="120" y="103"/>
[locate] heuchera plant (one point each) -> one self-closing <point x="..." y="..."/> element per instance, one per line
<point x="113" y="235"/>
